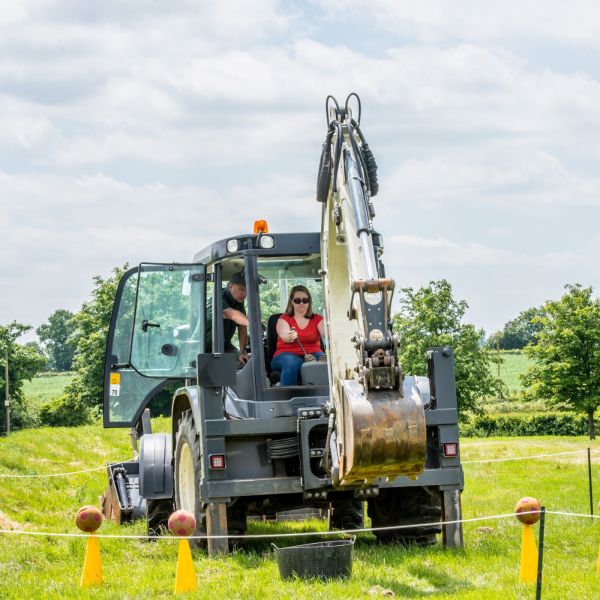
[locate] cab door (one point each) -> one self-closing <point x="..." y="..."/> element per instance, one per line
<point x="155" y="335"/>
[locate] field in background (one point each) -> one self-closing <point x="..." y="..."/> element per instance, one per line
<point x="514" y="363"/>
<point x="45" y="387"/>
<point x="38" y="567"/>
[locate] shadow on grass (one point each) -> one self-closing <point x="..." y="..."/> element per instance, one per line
<point x="431" y="582"/>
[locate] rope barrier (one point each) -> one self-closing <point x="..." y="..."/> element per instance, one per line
<point x="491" y="460"/>
<point x="568" y="514"/>
<point x="36" y="475"/>
<point x="274" y="535"/>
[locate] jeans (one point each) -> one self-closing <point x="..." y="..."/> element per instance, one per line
<point x="290" y="364"/>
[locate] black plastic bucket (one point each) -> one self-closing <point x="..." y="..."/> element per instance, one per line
<point x="325" y="560"/>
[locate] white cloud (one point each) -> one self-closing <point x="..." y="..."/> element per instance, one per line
<point x="427" y="251"/>
<point x="435" y="21"/>
<point x="440" y="251"/>
<point x="24" y="124"/>
<point x="525" y="180"/>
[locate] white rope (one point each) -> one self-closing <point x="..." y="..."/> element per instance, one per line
<point x="568" y="514"/>
<point x="491" y="460"/>
<point x="271" y="535"/>
<point x="38" y="475"/>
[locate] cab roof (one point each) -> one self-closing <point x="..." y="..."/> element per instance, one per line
<point x="285" y="244"/>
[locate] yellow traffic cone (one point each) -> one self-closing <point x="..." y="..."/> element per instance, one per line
<point x="92" y="566"/>
<point x="185" y="579"/>
<point x="598" y="563"/>
<point x="529" y="557"/>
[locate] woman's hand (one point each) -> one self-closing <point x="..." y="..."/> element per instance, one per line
<point x="285" y="332"/>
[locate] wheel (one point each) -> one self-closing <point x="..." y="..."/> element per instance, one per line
<point x="188" y="471"/>
<point x="347" y="513"/>
<point x="403" y="506"/>
<point x="157" y="516"/>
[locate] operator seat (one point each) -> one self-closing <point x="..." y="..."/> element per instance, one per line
<point x="274" y="376"/>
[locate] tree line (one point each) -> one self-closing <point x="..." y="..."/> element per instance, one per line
<point x="562" y="337"/>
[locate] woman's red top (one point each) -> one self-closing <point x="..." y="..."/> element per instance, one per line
<point x="309" y="337"/>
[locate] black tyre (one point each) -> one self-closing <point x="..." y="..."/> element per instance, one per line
<point x="157" y="516"/>
<point x="405" y="506"/>
<point x="347" y="513"/>
<point x="187" y="472"/>
<point x="188" y="467"/>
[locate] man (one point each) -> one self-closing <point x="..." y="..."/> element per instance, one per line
<point x="234" y="317"/>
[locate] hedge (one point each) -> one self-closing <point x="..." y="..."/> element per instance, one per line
<point x="64" y="411"/>
<point x="548" y="423"/>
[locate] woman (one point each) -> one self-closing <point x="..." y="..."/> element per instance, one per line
<point x="297" y="324"/>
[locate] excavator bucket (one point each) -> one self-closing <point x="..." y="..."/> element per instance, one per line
<point x="383" y="435"/>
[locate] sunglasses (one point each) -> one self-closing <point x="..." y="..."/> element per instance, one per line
<point x="301" y="300"/>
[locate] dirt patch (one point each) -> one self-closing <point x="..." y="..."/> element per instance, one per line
<point x="6" y="523"/>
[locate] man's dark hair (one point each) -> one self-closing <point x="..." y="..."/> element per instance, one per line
<point x="237" y="279"/>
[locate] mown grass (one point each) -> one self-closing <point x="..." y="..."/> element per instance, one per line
<point x="513" y="364"/>
<point x="39" y="567"/>
<point x="45" y="387"/>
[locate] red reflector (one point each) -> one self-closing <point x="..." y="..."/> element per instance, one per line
<point x="217" y="461"/>
<point x="450" y="449"/>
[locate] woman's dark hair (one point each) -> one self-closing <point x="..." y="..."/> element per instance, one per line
<point x="289" y="309"/>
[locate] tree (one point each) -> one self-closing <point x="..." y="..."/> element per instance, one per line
<point x="24" y="361"/>
<point x="431" y="317"/>
<point x="57" y="337"/>
<point x="518" y="332"/>
<point x="567" y="353"/>
<point x="91" y="331"/>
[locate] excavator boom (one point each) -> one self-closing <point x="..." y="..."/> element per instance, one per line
<point x="379" y="424"/>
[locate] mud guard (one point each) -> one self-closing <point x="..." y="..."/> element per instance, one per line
<point x="156" y="466"/>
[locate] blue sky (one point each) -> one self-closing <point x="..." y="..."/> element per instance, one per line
<point x="144" y="131"/>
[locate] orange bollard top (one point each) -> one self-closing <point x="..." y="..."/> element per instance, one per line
<point x="182" y="523"/>
<point x="526" y="505"/>
<point x="88" y="518"/>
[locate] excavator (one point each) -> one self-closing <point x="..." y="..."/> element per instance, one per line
<point x="353" y="431"/>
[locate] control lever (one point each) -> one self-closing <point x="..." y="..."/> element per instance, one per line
<point x="307" y="357"/>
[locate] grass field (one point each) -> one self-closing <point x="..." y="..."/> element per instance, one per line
<point x="39" y="567"/>
<point x="45" y="387"/>
<point x="514" y="364"/>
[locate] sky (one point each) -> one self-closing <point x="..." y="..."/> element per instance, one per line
<point x="143" y="131"/>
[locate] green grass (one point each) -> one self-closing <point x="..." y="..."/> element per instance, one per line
<point x="45" y="387"/>
<point x="514" y="364"/>
<point x="38" y="567"/>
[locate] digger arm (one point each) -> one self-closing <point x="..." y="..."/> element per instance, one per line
<point x="378" y="427"/>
